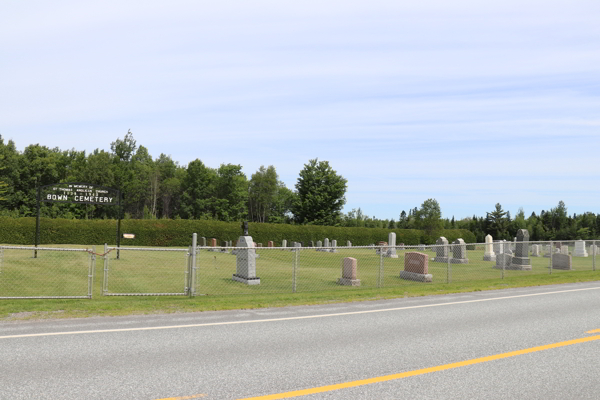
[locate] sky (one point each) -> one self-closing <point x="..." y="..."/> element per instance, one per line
<point x="471" y="103"/>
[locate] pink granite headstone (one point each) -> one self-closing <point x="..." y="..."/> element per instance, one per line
<point x="416" y="262"/>
<point x="213" y="242"/>
<point x="416" y="267"/>
<point x="349" y="272"/>
<point x="270" y="243"/>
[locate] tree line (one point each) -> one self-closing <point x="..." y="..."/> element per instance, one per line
<point x="157" y="188"/>
<point x="161" y="188"/>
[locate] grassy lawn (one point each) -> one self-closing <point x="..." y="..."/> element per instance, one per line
<point x="313" y="273"/>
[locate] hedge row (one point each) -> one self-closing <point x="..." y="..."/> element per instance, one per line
<point x="179" y="232"/>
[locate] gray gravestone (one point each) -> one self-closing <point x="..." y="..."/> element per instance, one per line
<point x="246" y="262"/>
<point x="459" y="252"/>
<point x="348" y="243"/>
<point x="503" y="261"/>
<point x="521" y="259"/>
<point x="548" y="251"/>
<point x="562" y="261"/>
<point x="498" y="246"/>
<point x="441" y="250"/>
<point x="334" y="245"/>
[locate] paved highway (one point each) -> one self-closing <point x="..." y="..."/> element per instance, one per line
<point x="534" y="343"/>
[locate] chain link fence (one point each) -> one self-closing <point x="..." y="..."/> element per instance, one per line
<point x="46" y="272"/>
<point x="145" y="271"/>
<point x="228" y="270"/>
<point x="303" y="269"/>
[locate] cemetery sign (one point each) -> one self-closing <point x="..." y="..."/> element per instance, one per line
<point x="79" y="193"/>
<point x="82" y="193"/>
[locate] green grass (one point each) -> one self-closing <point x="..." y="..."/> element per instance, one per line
<point x="56" y="273"/>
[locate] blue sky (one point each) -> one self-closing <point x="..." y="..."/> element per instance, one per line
<point x="467" y="102"/>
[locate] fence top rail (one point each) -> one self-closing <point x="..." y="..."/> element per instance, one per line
<point x="397" y="246"/>
<point x="43" y="248"/>
<point x="145" y="249"/>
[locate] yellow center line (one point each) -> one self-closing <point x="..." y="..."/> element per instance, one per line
<point x="195" y="396"/>
<point x="416" y="372"/>
<point x="594" y="331"/>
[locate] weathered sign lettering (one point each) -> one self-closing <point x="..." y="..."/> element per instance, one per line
<point x="83" y="193"/>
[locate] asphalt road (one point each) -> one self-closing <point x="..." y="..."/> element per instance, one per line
<point x="239" y="354"/>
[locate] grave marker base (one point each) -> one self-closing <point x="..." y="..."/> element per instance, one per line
<point x="349" y="282"/>
<point x="247" y="281"/>
<point x="413" y="276"/>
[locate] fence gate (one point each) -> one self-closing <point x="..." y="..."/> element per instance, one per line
<point x="56" y="273"/>
<point x="146" y="271"/>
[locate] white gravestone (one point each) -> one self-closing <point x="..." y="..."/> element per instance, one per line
<point x="580" y="249"/>
<point x="489" y="254"/>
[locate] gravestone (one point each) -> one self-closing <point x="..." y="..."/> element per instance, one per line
<point x="246" y="262"/>
<point x="503" y="261"/>
<point x="422" y="247"/>
<point x="507" y="247"/>
<point x="284" y="243"/>
<point x="224" y="244"/>
<point x="535" y="250"/>
<point x="391" y="251"/>
<point x="270" y="243"/>
<point x="520" y="260"/>
<point x="441" y="250"/>
<point x="548" y="251"/>
<point x="381" y="247"/>
<point x="489" y="254"/>
<point x="459" y="252"/>
<point x="319" y="245"/>
<point x="562" y="261"/>
<point x="213" y="245"/>
<point x="349" y="272"/>
<point x="312" y="244"/>
<point x="580" y="249"/>
<point x="348" y="243"/>
<point x="498" y="246"/>
<point x="416" y="267"/>
<point x="564" y="249"/>
<point x="297" y="244"/>
<point x="326" y="243"/>
<point x="334" y="245"/>
<point x="203" y="241"/>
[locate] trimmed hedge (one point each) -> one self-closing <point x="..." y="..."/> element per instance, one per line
<point x="164" y="232"/>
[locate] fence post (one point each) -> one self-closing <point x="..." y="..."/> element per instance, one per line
<point x="192" y="267"/>
<point x="449" y="269"/>
<point x="295" y="266"/>
<point x="594" y="255"/>
<point x="91" y="272"/>
<point x="380" y="279"/>
<point x="105" y="282"/>
<point x="551" y="253"/>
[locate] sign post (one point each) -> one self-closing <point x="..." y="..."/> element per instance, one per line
<point x="78" y="193"/>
